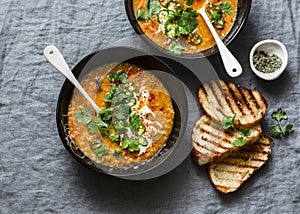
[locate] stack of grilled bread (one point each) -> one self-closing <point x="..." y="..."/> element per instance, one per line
<point x="230" y="165"/>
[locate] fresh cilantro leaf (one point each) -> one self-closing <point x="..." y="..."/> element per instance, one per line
<point x="119" y="97"/>
<point x="101" y="150"/>
<point x="102" y="126"/>
<point x="130" y="143"/>
<point x="122" y="77"/>
<point x="226" y="7"/>
<point x="275" y="131"/>
<point x="118" y="154"/>
<point x="153" y="8"/>
<point x="228" y="122"/>
<point x="121" y="112"/>
<point x="105" y="114"/>
<point x="141" y="15"/>
<point x="133" y="146"/>
<point x="189" y="2"/>
<point x="278" y="130"/>
<point x="246" y="132"/>
<point x="279" y="115"/>
<point x="114" y="137"/>
<point x="120" y="126"/>
<point x="108" y="98"/>
<point x="92" y="127"/>
<point x="135" y="121"/>
<point x="176" y="47"/>
<point x="84" y="116"/>
<point x="287" y="129"/>
<point x="239" y="142"/>
<point x="118" y="76"/>
<point x="125" y="143"/>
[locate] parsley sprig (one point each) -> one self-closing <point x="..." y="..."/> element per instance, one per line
<point x="279" y="129"/>
<point x="227" y="122"/>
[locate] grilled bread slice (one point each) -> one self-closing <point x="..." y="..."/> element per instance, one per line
<point x="229" y="174"/>
<point x="210" y="140"/>
<point x="218" y="99"/>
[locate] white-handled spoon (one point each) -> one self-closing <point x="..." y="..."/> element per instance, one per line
<point x="54" y="56"/>
<point x="232" y="66"/>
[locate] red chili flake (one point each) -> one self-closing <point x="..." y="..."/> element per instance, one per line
<point x="161" y="109"/>
<point x="152" y="97"/>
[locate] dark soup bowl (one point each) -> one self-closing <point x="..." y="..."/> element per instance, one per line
<point x="143" y="112"/>
<point x="175" y="27"/>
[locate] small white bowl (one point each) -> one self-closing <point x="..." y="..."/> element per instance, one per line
<point x="271" y="47"/>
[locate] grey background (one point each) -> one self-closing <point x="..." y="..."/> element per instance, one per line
<point x="37" y="175"/>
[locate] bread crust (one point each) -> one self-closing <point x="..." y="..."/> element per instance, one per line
<point x="227" y="175"/>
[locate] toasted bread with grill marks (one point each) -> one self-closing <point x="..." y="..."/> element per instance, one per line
<point x="219" y="98"/>
<point x="211" y="141"/>
<point x="228" y="174"/>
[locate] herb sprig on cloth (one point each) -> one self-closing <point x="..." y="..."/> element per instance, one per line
<point x="279" y="129"/>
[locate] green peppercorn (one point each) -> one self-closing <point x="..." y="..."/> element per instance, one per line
<point x="266" y="63"/>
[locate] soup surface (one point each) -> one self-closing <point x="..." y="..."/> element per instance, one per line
<point x="135" y="120"/>
<point x="176" y="26"/>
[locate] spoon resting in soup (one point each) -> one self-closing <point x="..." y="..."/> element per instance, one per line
<point x="135" y="120"/>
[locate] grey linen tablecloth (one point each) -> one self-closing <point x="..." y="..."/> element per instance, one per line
<point x="37" y="174"/>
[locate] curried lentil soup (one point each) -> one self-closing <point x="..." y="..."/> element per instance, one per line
<point x="135" y="120"/>
<point x="175" y="25"/>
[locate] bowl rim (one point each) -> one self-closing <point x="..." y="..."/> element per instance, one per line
<point x="277" y="73"/>
<point x="61" y="125"/>
<point x="230" y="36"/>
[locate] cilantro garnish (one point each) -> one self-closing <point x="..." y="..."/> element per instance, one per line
<point x="116" y="121"/>
<point x="239" y="142"/>
<point x="189" y="2"/>
<point x="99" y="148"/>
<point x="278" y="130"/>
<point x="176" y="47"/>
<point x="227" y="122"/>
<point x="226" y="7"/>
<point x="137" y="124"/>
<point x="118" y="77"/>
<point x="152" y="9"/>
<point x="84" y="116"/>
<point x="118" y="154"/>
<point x="114" y="137"/>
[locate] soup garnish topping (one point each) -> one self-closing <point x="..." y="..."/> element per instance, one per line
<point x="135" y="119"/>
<point x="179" y="22"/>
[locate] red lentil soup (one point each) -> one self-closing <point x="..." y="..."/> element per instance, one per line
<point x="175" y="25"/>
<point x="135" y="120"/>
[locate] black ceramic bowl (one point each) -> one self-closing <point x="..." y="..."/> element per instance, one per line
<point x="242" y="14"/>
<point x="151" y="63"/>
